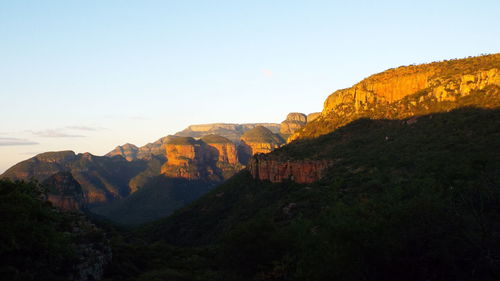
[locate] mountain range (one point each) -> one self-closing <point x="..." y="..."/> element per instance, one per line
<point x="175" y="169"/>
<point x="396" y="179"/>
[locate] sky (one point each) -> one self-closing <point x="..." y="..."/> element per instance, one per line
<point x="93" y="74"/>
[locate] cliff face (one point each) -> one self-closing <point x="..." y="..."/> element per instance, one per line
<point x="411" y="90"/>
<point x="211" y="158"/>
<point x="402" y="93"/>
<point x="293" y="122"/>
<point x="222" y="148"/>
<point x="299" y="171"/>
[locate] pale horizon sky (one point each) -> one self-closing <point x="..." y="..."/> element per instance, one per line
<point x="90" y="75"/>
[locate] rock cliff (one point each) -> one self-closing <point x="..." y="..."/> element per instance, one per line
<point x="222" y="148"/>
<point x="210" y="158"/>
<point x="411" y="90"/>
<point x="300" y="171"/>
<point x="292" y="123"/>
<point x="403" y="93"/>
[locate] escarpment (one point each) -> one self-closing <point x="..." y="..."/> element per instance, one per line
<point x="300" y="171"/>
<point x="411" y="90"/>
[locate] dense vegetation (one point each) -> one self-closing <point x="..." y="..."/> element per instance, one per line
<point x="158" y="198"/>
<point x="34" y="243"/>
<point x="405" y="201"/>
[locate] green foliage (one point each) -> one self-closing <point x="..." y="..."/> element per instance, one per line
<point x="403" y="201"/>
<point x="34" y="244"/>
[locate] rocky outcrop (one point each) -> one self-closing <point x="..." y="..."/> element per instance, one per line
<point x="267" y="168"/>
<point x="185" y="157"/>
<point x="312" y="116"/>
<point x="127" y="151"/>
<point x="210" y="158"/>
<point x="411" y="90"/>
<point x="293" y="122"/>
<point x="222" y="148"/>
<point x="257" y="140"/>
<point x="64" y="192"/>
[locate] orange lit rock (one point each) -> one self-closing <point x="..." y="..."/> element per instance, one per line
<point x="222" y="148"/>
<point x="299" y="171"/>
<point x="409" y="90"/>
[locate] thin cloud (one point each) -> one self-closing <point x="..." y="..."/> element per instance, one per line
<point x="85" y="128"/>
<point x="15" y="142"/>
<point x="55" y="133"/>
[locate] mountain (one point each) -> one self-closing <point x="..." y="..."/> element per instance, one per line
<point x="410" y="91"/>
<point x="200" y="156"/>
<point x="103" y="179"/>
<point x="397" y="179"/>
<point x="400" y="200"/>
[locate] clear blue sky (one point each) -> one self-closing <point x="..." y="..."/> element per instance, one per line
<point x="90" y="75"/>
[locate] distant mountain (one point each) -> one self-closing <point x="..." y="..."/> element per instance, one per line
<point x="232" y="132"/>
<point x="203" y="159"/>
<point x="102" y="179"/>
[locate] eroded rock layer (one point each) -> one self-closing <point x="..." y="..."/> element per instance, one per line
<point x="300" y="171"/>
<point x="411" y="90"/>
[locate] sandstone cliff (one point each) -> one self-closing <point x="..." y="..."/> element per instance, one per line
<point x="402" y="93"/>
<point x="300" y="171"/>
<point x="411" y="90"/>
<point x="211" y="158"/>
<point x="222" y="148"/>
<point x="292" y="123"/>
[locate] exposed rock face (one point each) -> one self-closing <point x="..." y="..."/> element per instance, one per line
<point x="127" y="151"/>
<point x="212" y="157"/>
<point x="185" y="156"/>
<point x="223" y="148"/>
<point x="65" y="192"/>
<point x="300" y="171"/>
<point x="233" y="132"/>
<point x="293" y="122"/>
<point x="312" y="116"/>
<point x="257" y="140"/>
<point x="411" y="90"/>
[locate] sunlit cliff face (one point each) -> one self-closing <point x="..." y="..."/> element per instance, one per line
<point x="411" y="90"/>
